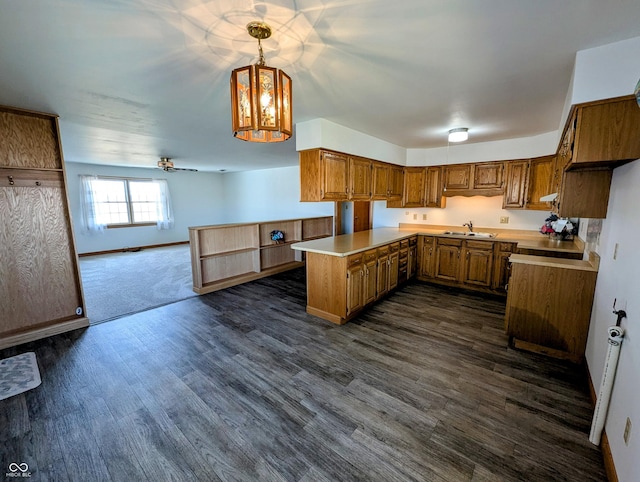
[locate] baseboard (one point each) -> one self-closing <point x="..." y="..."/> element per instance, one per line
<point x="607" y="456"/>
<point x="43" y="332"/>
<point x="133" y="248"/>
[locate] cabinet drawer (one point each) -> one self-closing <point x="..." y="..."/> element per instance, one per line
<point x="449" y="242"/>
<point x="370" y="255"/>
<point x="488" y="245"/>
<point x="393" y="248"/>
<point x="413" y="241"/>
<point x="383" y="251"/>
<point x="404" y="244"/>
<point x="506" y="247"/>
<point x="354" y="259"/>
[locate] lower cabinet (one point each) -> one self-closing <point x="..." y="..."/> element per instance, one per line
<point x="426" y="245"/>
<point x="355" y="283"/>
<point x="501" y="265"/>
<point x="447" y="262"/>
<point x="412" y="257"/>
<point x="549" y="305"/>
<point x="339" y="287"/>
<point x="477" y="263"/>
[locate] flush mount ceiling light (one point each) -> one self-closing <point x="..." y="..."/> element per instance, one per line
<point x="261" y="104"/>
<point x="458" y="135"/>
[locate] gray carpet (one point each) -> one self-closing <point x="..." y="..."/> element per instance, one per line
<point x="122" y="283"/>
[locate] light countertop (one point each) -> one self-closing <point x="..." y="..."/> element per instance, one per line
<point x="577" y="264"/>
<point x="348" y="244"/>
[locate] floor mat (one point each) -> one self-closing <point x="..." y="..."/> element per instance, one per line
<point x="18" y="374"/>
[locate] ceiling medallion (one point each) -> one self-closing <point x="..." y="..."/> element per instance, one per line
<point x="261" y="103"/>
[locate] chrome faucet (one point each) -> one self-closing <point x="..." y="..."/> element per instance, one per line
<point x="469" y="225"/>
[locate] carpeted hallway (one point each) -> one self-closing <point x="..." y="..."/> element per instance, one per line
<point x="118" y="284"/>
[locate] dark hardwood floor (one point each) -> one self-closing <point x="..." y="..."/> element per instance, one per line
<point x="242" y="384"/>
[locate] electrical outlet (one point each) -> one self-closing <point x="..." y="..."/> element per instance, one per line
<point x="406" y="213"/>
<point x="627" y="431"/>
<point x="615" y="251"/>
<point x="504" y="219"/>
<point x="415" y="216"/>
<point x="424" y="217"/>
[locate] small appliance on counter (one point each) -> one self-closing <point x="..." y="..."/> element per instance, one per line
<point x="559" y="228"/>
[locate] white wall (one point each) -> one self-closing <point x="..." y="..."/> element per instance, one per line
<point x="197" y="199"/>
<point x="608" y="71"/>
<point x="268" y="194"/>
<point x="619" y="279"/>
<point x="483" y="211"/>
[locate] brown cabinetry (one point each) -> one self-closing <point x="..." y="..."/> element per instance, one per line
<point x="516" y="184"/>
<point x="355" y="283"/>
<point x="412" y="261"/>
<point x="607" y="133"/>
<point x="477" y="263"/>
<point x="501" y="265"/>
<point x="433" y="188"/>
<point x="359" y="179"/>
<point x="40" y="283"/>
<point x="394" y="265"/>
<point x="380" y="180"/>
<point x="540" y="183"/>
<point x="370" y="276"/>
<point x="549" y="305"/>
<point x="447" y="260"/>
<point x="479" y="179"/>
<point x="382" y="274"/>
<point x="414" y="186"/>
<point x="396" y="183"/>
<point x="427" y="246"/>
<point x="488" y="175"/>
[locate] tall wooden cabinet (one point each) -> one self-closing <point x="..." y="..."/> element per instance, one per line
<point x="40" y="283"/>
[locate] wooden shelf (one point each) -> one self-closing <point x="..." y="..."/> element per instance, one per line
<point x="230" y="254"/>
<point x="314" y="228"/>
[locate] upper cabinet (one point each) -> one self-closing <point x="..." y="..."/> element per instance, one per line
<point x="479" y="179"/>
<point x="333" y="176"/>
<point x="541" y="173"/>
<point x="516" y="184"/>
<point x="433" y="188"/>
<point x="323" y="176"/>
<point x="607" y="133"/>
<point x="387" y="181"/>
<point x="359" y="179"/>
<point x="414" y="185"/>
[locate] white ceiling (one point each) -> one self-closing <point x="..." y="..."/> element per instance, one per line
<point x="133" y="80"/>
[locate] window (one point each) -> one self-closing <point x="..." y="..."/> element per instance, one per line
<point x="117" y="202"/>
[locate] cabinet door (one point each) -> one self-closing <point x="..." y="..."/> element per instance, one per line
<point x="396" y="183"/>
<point x="607" y="132"/>
<point x="433" y="184"/>
<point x="516" y="186"/>
<point x="488" y="175"/>
<point x="335" y="168"/>
<point x="584" y="194"/>
<point x="355" y="280"/>
<point x="427" y="256"/>
<point x="414" y="179"/>
<point x="380" y="181"/>
<point x="382" y="275"/>
<point x="359" y="179"/>
<point x="478" y="263"/>
<point x="541" y="173"/>
<point x="393" y="270"/>
<point x="447" y="262"/>
<point x="501" y="272"/>
<point x="370" y="279"/>
<point x="457" y="177"/>
<point x="413" y="257"/>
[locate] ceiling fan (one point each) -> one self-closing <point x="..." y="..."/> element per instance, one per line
<point x="166" y="164"/>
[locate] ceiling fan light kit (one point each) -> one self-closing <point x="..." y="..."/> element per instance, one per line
<point x="166" y="164"/>
<point x="261" y="103"/>
<point x="460" y="134"/>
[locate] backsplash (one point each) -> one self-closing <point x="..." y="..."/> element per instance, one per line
<point x="482" y="211"/>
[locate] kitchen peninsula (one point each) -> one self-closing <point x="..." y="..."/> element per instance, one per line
<point x="349" y="272"/>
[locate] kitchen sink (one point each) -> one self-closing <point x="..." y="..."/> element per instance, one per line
<point x="470" y="234"/>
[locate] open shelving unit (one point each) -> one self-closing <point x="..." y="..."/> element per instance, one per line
<point x="230" y="254"/>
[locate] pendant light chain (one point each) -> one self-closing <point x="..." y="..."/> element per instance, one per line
<point x="260" y="54"/>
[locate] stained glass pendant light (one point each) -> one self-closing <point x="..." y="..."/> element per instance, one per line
<point x="261" y="107"/>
